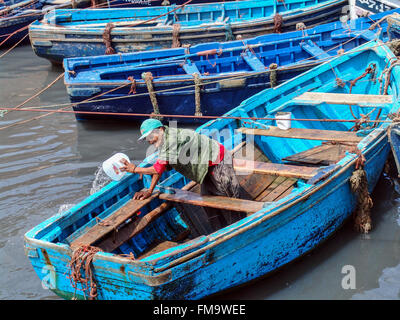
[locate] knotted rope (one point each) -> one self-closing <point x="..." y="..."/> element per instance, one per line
<point x="394" y="45"/>
<point x="369" y="70"/>
<point x="148" y="79"/>
<point x="81" y="260"/>
<point x="132" y="90"/>
<point x="359" y="186"/>
<point x="300" y="26"/>
<point x="175" y="35"/>
<point x="197" y="89"/>
<point x="278" y="22"/>
<point x="107" y="38"/>
<point x="273" y="75"/>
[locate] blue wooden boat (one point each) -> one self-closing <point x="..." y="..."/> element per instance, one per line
<point x="67" y="33"/>
<point x="365" y="7"/>
<point x="18" y="14"/>
<point x="394" y="29"/>
<point x="226" y="72"/>
<point x="153" y="249"/>
<point x="15" y="18"/>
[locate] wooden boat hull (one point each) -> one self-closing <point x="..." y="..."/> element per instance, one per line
<point x="15" y="23"/>
<point x="375" y="6"/>
<point x="88" y="78"/>
<point x="264" y="248"/>
<point x="276" y="235"/>
<point x="55" y="44"/>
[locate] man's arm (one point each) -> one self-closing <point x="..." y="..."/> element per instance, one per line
<point x="130" y="167"/>
<point x="141" y="195"/>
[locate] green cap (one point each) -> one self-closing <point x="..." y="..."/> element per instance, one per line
<point x="148" y="126"/>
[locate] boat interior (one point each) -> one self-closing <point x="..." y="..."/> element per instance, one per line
<point x="272" y="164"/>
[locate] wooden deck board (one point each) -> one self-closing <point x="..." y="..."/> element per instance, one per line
<point x="308" y="134"/>
<point x="279" y="190"/>
<point x="157" y="247"/>
<point x="217" y="202"/>
<point x="345" y="98"/>
<point x="325" y="154"/>
<point x="110" y="223"/>
<point x="285" y="170"/>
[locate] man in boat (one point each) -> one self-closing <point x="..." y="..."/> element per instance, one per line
<point x="197" y="157"/>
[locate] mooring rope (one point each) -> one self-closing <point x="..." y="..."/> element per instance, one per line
<point x="197" y="82"/>
<point x="278" y="22"/>
<point x="359" y="185"/>
<point x="107" y="38"/>
<point x="175" y="35"/>
<point x="81" y="272"/>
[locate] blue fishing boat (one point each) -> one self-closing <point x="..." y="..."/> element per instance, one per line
<point x="394" y="28"/>
<point x="16" y="17"/>
<point x="303" y="181"/>
<point x="366" y="7"/>
<point x="68" y="33"/>
<point x="206" y="79"/>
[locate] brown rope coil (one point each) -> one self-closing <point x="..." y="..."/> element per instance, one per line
<point x="132" y="90"/>
<point x="81" y="260"/>
<point x="359" y="186"/>
<point x="175" y="35"/>
<point x="300" y="26"/>
<point x="197" y="89"/>
<point x="273" y="75"/>
<point x="278" y="21"/>
<point x="107" y="38"/>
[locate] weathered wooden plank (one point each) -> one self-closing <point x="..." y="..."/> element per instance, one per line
<point x="158" y="247"/>
<point x="277" y="169"/>
<point x="344" y="98"/>
<point x="324" y="154"/>
<point x="130" y="230"/>
<point x="281" y="188"/>
<point x="309" y="134"/>
<point x="270" y="188"/>
<point x="217" y="202"/>
<point x="255" y="183"/>
<point x="110" y="223"/>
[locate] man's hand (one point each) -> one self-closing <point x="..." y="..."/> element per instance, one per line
<point x="142" y="195"/>
<point x="128" y="167"/>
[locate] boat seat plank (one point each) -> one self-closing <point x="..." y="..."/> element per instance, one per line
<point x="277" y="169"/>
<point x="309" y="134"/>
<point x="253" y="61"/>
<point x="344" y="98"/>
<point x="190" y="68"/>
<point x="218" y="202"/>
<point x="110" y="223"/>
<point x="157" y="247"/>
<point x="325" y="154"/>
<point x="314" y="50"/>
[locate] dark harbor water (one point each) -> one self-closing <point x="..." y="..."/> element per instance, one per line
<point x="51" y="163"/>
